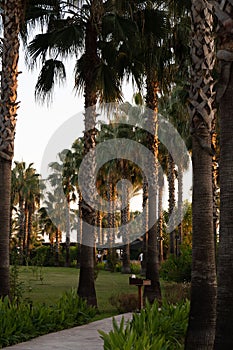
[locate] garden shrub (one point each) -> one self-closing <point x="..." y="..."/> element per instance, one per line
<point x="155" y="327"/>
<point x="124" y="302"/>
<point x="23" y="321"/>
<point x="177" y="269"/>
<point x="176" y="292"/>
<point x="135" y="267"/>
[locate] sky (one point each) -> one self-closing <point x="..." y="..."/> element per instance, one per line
<point x="37" y="122"/>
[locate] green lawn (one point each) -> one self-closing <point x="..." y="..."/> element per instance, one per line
<point x="47" y="284"/>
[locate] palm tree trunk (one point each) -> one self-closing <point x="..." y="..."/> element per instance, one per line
<point x="160" y="216"/>
<point x="145" y="225"/>
<point x="68" y="233"/>
<point x="180" y="210"/>
<point x="79" y="228"/>
<point x="215" y="176"/>
<point x="223" y="339"/>
<point x="171" y="200"/>
<point x="25" y="232"/>
<point x="57" y="248"/>
<point x="225" y="280"/>
<point x="99" y="228"/>
<point x="21" y="227"/>
<point x="30" y="213"/>
<point x="153" y="291"/>
<point x="86" y="287"/>
<point x="12" y="13"/>
<point x="125" y="218"/>
<point x="5" y="195"/>
<point x="202" y="317"/>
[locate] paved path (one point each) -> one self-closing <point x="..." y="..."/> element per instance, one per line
<point x="84" y="337"/>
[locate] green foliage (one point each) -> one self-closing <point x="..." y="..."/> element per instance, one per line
<point x="135" y="267"/>
<point x="16" y="286"/>
<point x="112" y="260"/>
<point x="178" y="269"/>
<point x="124" y="302"/>
<point x="23" y="321"/>
<point x="101" y="265"/>
<point x="42" y="256"/>
<point x="73" y="254"/>
<point x="154" y="328"/>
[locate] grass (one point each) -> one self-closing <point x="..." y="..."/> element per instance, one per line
<point x="47" y="284"/>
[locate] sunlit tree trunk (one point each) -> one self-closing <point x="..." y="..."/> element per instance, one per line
<point x="160" y="215"/>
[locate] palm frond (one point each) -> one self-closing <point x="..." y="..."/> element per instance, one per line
<point x="53" y="71"/>
<point x="38" y="12"/>
<point x="65" y="39"/>
<point x="107" y="83"/>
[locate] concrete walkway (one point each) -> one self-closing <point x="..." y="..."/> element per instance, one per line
<point x="84" y="337"/>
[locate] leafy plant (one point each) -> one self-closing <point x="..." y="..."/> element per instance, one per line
<point x="178" y="269"/>
<point x="23" y="321"/>
<point x="16" y="285"/>
<point x="135" y="267"/>
<point x="154" y="328"/>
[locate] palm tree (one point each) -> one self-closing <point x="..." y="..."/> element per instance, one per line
<point x="201" y="327"/>
<point x="61" y="177"/>
<point x="84" y="27"/>
<point x="26" y="193"/>
<point x="13" y="16"/>
<point x="32" y="202"/>
<point x="49" y="228"/>
<point x="77" y="152"/>
<point x="223" y="339"/>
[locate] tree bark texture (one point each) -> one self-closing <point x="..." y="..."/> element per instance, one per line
<point x="202" y="317"/>
<point x="224" y="339"/>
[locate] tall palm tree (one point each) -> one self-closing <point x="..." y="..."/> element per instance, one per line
<point x="83" y="28"/>
<point x="13" y="14"/>
<point x="223" y="339"/>
<point x="32" y="202"/>
<point x="77" y="152"/>
<point x="201" y="326"/>
<point x="61" y="177"/>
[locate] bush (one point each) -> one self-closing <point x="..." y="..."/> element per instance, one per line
<point x="42" y="256"/>
<point x="100" y="265"/>
<point x="176" y="292"/>
<point x="178" y="269"/>
<point x="124" y="302"/>
<point x="20" y="322"/>
<point x="154" y="328"/>
<point x="135" y="267"/>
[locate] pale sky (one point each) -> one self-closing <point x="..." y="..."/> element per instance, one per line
<point x="36" y="123"/>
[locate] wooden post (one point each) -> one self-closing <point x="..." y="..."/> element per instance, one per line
<point x="139" y="282"/>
